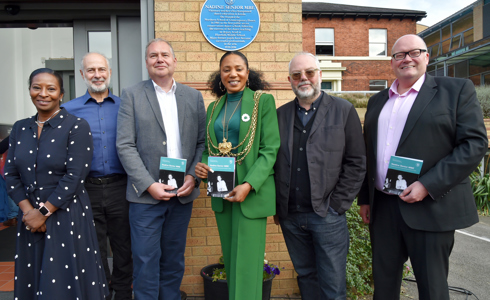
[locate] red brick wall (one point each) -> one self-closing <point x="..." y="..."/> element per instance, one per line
<point x="352" y="39"/>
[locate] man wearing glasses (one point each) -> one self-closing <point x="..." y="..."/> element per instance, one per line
<point x="318" y="172"/>
<point x="437" y="120"/>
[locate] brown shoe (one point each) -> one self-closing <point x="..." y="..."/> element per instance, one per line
<point x="11" y="222"/>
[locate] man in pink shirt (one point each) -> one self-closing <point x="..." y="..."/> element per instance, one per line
<point x="437" y="120"/>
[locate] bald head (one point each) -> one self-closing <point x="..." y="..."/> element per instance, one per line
<point x="413" y="38"/>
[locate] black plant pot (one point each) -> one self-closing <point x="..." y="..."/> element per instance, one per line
<point x="218" y="290"/>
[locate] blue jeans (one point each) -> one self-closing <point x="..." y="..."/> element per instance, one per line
<point x="318" y="248"/>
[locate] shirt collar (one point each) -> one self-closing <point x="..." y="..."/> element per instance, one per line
<point x="313" y="106"/>
<point x="416" y="86"/>
<point x="55" y="121"/>
<point x="160" y="90"/>
<point x="86" y="98"/>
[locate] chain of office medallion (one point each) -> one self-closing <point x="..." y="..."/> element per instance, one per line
<point x="251" y="130"/>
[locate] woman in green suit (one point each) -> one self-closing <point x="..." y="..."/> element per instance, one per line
<point x="242" y="123"/>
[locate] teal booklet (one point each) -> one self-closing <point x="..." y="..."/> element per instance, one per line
<point x="172" y="172"/>
<point x="221" y="180"/>
<point x="402" y="172"/>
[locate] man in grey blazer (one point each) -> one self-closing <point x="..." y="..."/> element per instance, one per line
<point x="319" y="169"/>
<point x="159" y="117"/>
<point x="437" y="120"/>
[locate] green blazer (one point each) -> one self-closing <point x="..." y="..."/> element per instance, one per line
<point x="257" y="167"/>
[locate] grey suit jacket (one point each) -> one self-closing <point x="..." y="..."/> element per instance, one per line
<point x="335" y="152"/>
<point x="445" y="129"/>
<point x="141" y="139"/>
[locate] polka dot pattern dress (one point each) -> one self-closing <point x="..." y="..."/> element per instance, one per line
<point x="64" y="262"/>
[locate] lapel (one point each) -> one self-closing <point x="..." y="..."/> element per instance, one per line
<point x="378" y="105"/>
<point x="290" y="128"/>
<point x="246" y="108"/>
<point x="216" y="112"/>
<point x="425" y="96"/>
<point x="322" y="111"/>
<point x="152" y="98"/>
<point x="181" y="106"/>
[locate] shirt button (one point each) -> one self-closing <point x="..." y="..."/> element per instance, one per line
<point x="304" y="131"/>
<point x="297" y="188"/>
<point x="102" y="118"/>
<point x="105" y="147"/>
<point x="306" y="113"/>
<point x="299" y="169"/>
<point x="106" y="161"/>
<point x="103" y="132"/>
<point x="164" y="143"/>
<point x="387" y="144"/>
<point x="300" y="149"/>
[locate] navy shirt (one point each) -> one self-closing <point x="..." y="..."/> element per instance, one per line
<point x="305" y="115"/>
<point x="102" y="118"/>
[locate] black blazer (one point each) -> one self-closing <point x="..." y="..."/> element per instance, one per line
<point x="445" y="129"/>
<point x="335" y="153"/>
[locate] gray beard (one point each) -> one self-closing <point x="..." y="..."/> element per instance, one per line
<point x="309" y="95"/>
<point x="98" y="89"/>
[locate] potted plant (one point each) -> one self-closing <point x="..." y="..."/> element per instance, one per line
<point x="216" y="288"/>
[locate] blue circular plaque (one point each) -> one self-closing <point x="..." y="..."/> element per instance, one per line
<point x="229" y="25"/>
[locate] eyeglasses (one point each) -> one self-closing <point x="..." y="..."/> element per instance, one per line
<point x="309" y="73"/>
<point x="412" y="53"/>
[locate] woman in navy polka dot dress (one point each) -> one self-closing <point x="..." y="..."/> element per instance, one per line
<point x="50" y="153"/>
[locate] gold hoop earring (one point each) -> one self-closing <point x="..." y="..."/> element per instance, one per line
<point x="221" y="87"/>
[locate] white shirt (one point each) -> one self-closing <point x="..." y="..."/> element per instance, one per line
<point x="168" y="108"/>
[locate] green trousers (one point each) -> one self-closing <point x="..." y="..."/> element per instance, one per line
<point x="243" y="246"/>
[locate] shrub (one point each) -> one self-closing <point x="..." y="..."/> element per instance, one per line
<point x="483" y="95"/>
<point x="481" y="189"/>
<point x="359" y="266"/>
<point x="359" y="100"/>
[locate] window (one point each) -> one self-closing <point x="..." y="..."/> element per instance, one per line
<point x="377" y="42"/>
<point x="377" y="85"/>
<point x="326" y="85"/>
<point x="324" y="41"/>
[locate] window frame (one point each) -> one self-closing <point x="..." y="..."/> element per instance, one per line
<point x="378" y="85"/>
<point x="326" y="42"/>
<point x="385" y="43"/>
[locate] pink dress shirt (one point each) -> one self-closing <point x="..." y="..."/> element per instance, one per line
<point x="391" y="122"/>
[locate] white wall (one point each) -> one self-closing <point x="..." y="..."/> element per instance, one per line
<point x="21" y="52"/>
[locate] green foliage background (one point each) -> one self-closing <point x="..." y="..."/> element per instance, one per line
<point x="359" y="268"/>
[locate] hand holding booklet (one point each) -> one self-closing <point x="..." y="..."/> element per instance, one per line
<point x="172" y="172"/>
<point x="222" y="180"/>
<point x="402" y="172"/>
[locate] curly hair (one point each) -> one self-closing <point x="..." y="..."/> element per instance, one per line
<point x="255" y="78"/>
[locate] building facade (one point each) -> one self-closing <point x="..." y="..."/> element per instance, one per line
<point x="459" y="46"/>
<point x="353" y="43"/>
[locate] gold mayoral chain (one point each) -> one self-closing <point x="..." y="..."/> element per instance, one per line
<point x="225" y="148"/>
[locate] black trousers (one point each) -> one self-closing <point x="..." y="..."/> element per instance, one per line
<point x="111" y="216"/>
<point x="393" y="242"/>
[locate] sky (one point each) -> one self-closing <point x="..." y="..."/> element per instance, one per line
<point x="437" y="10"/>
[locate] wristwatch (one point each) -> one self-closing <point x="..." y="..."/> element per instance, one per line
<point x="44" y="210"/>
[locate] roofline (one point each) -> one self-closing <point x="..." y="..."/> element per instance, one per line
<point x="365" y="15"/>
<point x="450" y="18"/>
